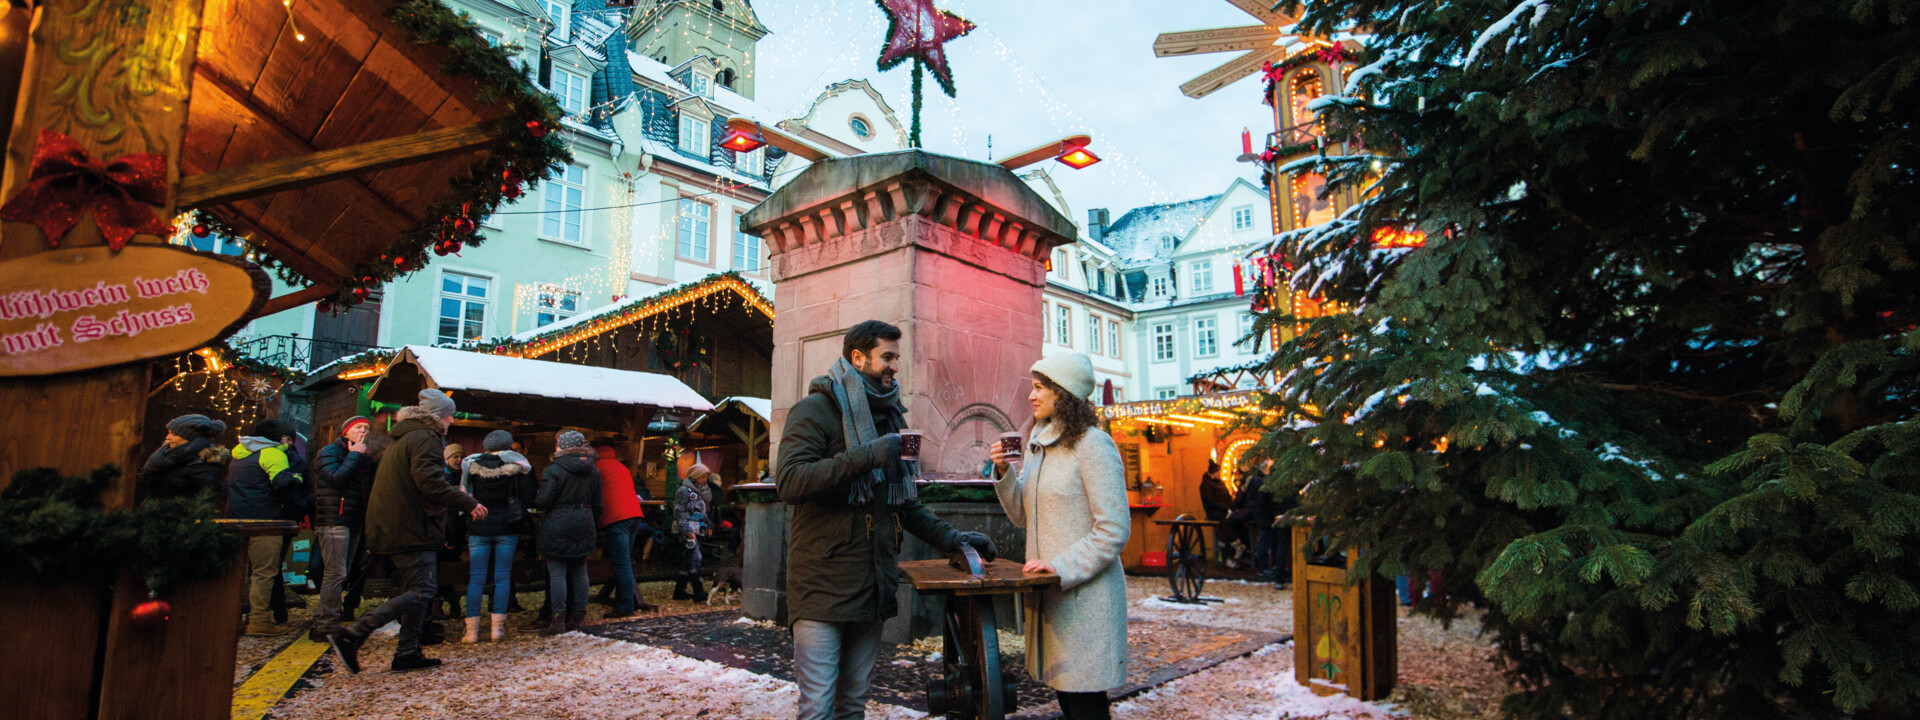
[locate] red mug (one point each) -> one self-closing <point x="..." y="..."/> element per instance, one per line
<point x="1010" y="445"/>
<point x="910" y="444"/>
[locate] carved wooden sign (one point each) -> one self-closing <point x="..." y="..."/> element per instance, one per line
<point x="91" y="307"/>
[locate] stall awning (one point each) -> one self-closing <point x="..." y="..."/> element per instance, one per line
<point x="735" y="411"/>
<point x="538" y="391"/>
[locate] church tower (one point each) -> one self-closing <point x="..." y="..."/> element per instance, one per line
<point x="674" y="31"/>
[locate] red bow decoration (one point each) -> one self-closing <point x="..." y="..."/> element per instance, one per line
<point x="1273" y="73"/>
<point x="64" y="182"/>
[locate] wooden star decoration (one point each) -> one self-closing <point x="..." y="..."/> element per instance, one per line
<point x="916" y="29"/>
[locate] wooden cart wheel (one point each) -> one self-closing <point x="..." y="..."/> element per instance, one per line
<point x="1189" y="562"/>
<point x="975" y="689"/>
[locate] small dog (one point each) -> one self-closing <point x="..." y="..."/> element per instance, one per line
<point x="726" y="586"/>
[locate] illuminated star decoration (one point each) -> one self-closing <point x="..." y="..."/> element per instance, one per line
<point x="918" y="30"/>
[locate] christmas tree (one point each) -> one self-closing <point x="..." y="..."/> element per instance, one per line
<point x="1647" y="393"/>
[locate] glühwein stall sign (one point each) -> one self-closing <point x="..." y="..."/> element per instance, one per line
<point x="93" y="307"/>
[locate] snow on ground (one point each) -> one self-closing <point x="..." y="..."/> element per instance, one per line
<point x="1259" y="686"/>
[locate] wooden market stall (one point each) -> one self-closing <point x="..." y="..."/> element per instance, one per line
<point x="1166" y="446"/>
<point x="340" y="139"/>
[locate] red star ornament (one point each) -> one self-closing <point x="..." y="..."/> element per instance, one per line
<point x="917" y="29"/>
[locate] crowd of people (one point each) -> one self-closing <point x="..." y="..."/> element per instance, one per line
<point x="402" y="497"/>
<point x="408" y="500"/>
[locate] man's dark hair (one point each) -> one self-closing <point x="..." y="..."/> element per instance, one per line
<point x="273" y="429"/>
<point x="865" y="336"/>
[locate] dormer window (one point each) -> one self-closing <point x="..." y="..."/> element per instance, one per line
<point x="571" y="91"/>
<point x="727" y="78"/>
<point x="702" y="85"/>
<point x="693" y="134"/>
<point x="558" y="11"/>
<point x="1166" y="244"/>
<point x="751" y="163"/>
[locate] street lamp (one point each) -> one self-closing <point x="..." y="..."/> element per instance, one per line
<point x="1071" y="151"/>
<point x="745" y="135"/>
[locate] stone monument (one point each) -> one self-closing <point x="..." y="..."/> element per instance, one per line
<point x="952" y="251"/>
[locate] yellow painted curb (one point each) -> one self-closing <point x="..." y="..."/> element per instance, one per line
<point x="257" y="696"/>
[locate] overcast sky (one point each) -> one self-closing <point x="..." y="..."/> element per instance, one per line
<point x="1036" y="71"/>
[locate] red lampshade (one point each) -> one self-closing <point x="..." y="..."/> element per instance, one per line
<point x="1078" y="157"/>
<point x="741" y="141"/>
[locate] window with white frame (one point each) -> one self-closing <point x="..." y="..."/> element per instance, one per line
<point x="463" y="307"/>
<point x="560" y="215"/>
<point x="1161" y="287"/>
<point x="558" y="12"/>
<point x="751" y="163"/>
<point x="552" y="304"/>
<point x="1243" y="218"/>
<point x="1206" y="337"/>
<point x="1162" y="342"/>
<point x="694" y="134"/>
<point x="1165" y="393"/>
<point x="570" y="90"/>
<point x="1093" y="333"/>
<point x="748" y="250"/>
<point x="493" y="38"/>
<point x="1059" y="264"/>
<point x="1166" y="244"/>
<point x="1063" y="325"/>
<point x="702" y="85"/>
<point x="1113" y="338"/>
<point x="696" y="229"/>
<point x="1202" y="277"/>
<point x="1242" y="339"/>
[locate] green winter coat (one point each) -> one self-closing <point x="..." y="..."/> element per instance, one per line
<point x="407" y="510"/>
<point x="842" y="563"/>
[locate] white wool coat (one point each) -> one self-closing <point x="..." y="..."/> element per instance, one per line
<point x="1072" y="501"/>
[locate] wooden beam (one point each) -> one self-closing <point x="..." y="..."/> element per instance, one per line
<point x="266" y="178"/>
<point x="289" y="301"/>
<point x="1226" y="74"/>
<point x="1193" y="42"/>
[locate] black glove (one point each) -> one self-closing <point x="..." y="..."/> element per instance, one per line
<point x="876" y="453"/>
<point x="980" y="542"/>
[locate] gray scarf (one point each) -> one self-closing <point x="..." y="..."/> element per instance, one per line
<point x="851" y="390"/>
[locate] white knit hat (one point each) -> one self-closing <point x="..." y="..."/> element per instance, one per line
<point x="1071" y="371"/>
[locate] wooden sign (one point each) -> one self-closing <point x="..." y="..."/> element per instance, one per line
<point x="1225" y="75"/>
<point x="90" y="307"/>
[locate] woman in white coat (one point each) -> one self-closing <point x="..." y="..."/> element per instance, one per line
<point x="1071" y="496"/>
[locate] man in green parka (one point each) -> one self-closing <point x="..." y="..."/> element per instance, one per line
<point x="840" y="468"/>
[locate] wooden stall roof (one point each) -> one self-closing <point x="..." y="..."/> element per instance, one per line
<point x="734" y="411"/>
<point x="331" y="75"/>
<point x="528" y="390"/>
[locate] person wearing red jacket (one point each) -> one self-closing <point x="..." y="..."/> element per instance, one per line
<point x="624" y="523"/>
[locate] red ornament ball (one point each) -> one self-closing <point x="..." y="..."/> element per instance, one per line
<point x="510" y="176"/>
<point x="463" y="226"/>
<point x="151" y="614"/>
<point x="536" y="129"/>
<point x="200" y="231"/>
<point x="360" y="294"/>
<point x="326" y="306"/>
<point x="510" y="191"/>
<point x="399" y="262"/>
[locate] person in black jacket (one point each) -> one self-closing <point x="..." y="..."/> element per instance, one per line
<point x="498" y="478"/>
<point x="187" y="463"/>
<point x="570" y="495"/>
<point x="342" y="474"/>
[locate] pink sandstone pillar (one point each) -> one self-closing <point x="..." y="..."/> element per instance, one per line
<point x="952" y="251"/>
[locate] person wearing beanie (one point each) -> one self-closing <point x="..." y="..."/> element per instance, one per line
<point x="406" y="521"/>
<point x="1072" y="502"/>
<point x="342" y="476"/>
<point x="262" y="484"/>
<point x="503" y="479"/>
<point x="840" y="468"/>
<point x="690" y="523"/>
<point x="570" y="495"/>
<point x="187" y="463"/>
<point x="625" y="526"/>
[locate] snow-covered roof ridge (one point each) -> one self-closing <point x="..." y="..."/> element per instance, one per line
<point x="464" y="370"/>
<point x="1135" y="236"/>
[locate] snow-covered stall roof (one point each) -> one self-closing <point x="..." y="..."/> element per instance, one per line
<point x="533" y="390"/>
<point x="760" y="409"/>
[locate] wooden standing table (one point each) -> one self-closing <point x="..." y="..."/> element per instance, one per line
<point x="972" y="687"/>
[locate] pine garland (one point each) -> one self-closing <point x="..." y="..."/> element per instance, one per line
<point x="54" y="528"/>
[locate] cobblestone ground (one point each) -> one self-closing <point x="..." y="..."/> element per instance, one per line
<point x="1445" y="673"/>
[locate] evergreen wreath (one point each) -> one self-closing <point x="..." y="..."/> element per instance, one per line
<point x="54" y="528"/>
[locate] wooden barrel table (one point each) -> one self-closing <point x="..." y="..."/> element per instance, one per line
<point x="972" y="686"/>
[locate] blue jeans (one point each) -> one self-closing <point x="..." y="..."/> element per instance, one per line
<point x="833" y="665"/>
<point x="621" y="535"/>
<point x="499" y="550"/>
<point x="567" y="580"/>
